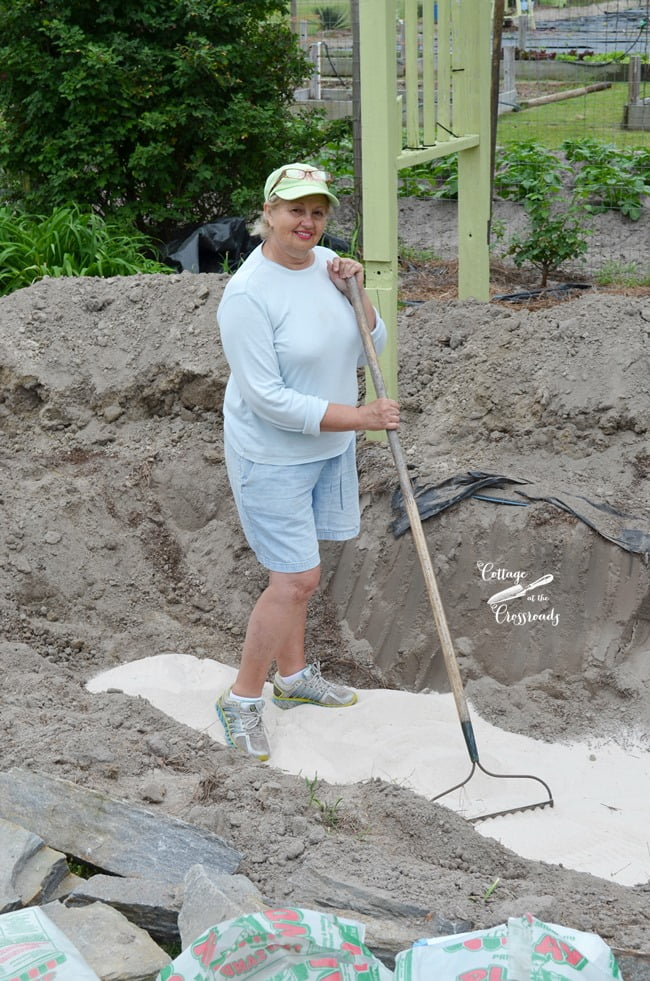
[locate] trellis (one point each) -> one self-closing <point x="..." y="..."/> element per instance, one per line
<point x="441" y="106"/>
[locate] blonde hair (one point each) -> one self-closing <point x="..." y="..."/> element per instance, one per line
<point x="261" y="225"/>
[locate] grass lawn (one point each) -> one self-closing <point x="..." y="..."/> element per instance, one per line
<point x="597" y="114"/>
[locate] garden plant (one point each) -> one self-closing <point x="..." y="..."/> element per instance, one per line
<point x="69" y="242"/>
<point x="166" y="112"/>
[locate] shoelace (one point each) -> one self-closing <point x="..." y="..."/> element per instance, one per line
<point x="317" y="679"/>
<point x="251" y="721"/>
<point x="246" y="721"/>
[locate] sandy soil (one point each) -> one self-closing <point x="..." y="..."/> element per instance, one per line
<point x="119" y="541"/>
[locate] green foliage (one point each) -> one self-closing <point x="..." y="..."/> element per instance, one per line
<point x="489" y="892"/>
<point x="434" y="179"/>
<point x="336" y="153"/>
<point x="609" y="178"/>
<point x="329" y="810"/>
<point x="527" y="170"/>
<point x="331" y="18"/>
<point x="170" y="111"/>
<point x="85" y="870"/>
<point x="595" y="58"/>
<point x="557" y="229"/>
<point x="68" y="243"/>
<point x="550" y="240"/>
<point x="410" y="255"/>
<point x="615" y="273"/>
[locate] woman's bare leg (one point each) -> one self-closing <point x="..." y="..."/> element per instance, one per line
<point x="276" y="630"/>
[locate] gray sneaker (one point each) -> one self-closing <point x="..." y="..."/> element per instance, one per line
<point x="311" y="689"/>
<point x="242" y="722"/>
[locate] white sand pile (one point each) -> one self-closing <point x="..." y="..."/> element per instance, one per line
<point x="599" y="822"/>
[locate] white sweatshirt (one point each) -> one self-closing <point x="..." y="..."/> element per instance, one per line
<point x="293" y="346"/>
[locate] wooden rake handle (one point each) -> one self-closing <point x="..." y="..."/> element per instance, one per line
<point x="446" y="644"/>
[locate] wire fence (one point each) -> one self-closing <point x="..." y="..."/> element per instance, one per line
<point x="570" y="72"/>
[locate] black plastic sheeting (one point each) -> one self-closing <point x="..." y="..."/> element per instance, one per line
<point x="562" y="290"/>
<point x="613" y="525"/>
<point x="221" y="246"/>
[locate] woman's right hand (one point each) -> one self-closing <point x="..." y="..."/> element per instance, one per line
<point x="380" y="414"/>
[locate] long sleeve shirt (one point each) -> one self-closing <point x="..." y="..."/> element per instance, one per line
<point x="293" y="346"/>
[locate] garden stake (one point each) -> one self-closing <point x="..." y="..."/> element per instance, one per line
<point x="451" y="664"/>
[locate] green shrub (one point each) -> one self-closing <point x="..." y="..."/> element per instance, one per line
<point x="609" y="178"/>
<point x="551" y="239"/>
<point x="526" y="169"/>
<point x="69" y="242"/>
<point x="170" y="112"/>
<point x="557" y="229"/>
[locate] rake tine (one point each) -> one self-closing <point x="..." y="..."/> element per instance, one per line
<point x="451" y="663"/>
<point x="549" y="802"/>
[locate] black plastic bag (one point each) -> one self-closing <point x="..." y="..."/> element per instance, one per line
<point x="221" y="246"/>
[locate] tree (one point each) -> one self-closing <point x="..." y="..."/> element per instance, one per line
<point x="169" y="112"/>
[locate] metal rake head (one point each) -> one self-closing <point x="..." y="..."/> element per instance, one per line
<point x="548" y="802"/>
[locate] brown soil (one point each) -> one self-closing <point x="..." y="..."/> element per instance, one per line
<point x="119" y="541"/>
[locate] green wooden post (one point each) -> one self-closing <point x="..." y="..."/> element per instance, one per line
<point x="472" y="79"/>
<point x="455" y="101"/>
<point x="428" y="75"/>
<point x="380" y="126"/>
<point x="411" y="73"/>
<point x="443" y="114"/>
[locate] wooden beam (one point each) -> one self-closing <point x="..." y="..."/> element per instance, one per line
<point x="410" y="157"/>
<point x="568" y="94"/>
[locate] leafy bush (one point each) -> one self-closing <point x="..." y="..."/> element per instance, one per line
<point x="609" y="178"/>
<point x="172" y="112"/>
<point x="526" y="170"/>
<point x="68" y="243"/>
<point x="588" y="149"/>
<point x="557" y="229"/>
<point x="551" y="239"/>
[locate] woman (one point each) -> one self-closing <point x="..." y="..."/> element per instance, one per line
<point x="290" y="417"/>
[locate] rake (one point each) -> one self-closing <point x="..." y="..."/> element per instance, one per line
<point x="451" y="663"/>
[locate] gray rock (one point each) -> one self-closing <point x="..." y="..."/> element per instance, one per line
<point x="321" y="890"/>
<point x="210" y="898"/>
<point x="65" y="887"/>
<point x="634" y="965"/>
<point x="17" y="847"/>
<point x="113" y="412"/>
<point x="29" y="870"/>
<point x="152" y="906"/>
<point x="114" y="948"/>
<point x="109" y="834"/>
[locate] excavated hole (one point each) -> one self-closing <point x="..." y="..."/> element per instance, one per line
<point x="567" y="657"/>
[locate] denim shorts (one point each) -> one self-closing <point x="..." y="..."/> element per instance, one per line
<point x="285" y="511"/>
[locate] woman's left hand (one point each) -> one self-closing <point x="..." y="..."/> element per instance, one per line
<point x="340" y="270"/>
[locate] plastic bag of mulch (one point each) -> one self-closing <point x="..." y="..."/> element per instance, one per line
<point x="524" y="949"/>
<point x="31" y="946"/>
<point x="279" y="945"/>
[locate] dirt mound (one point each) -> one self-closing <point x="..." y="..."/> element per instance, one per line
<point x="119" y="541"/>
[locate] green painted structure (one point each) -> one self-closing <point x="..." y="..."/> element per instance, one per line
<point x="440" y="106"/>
